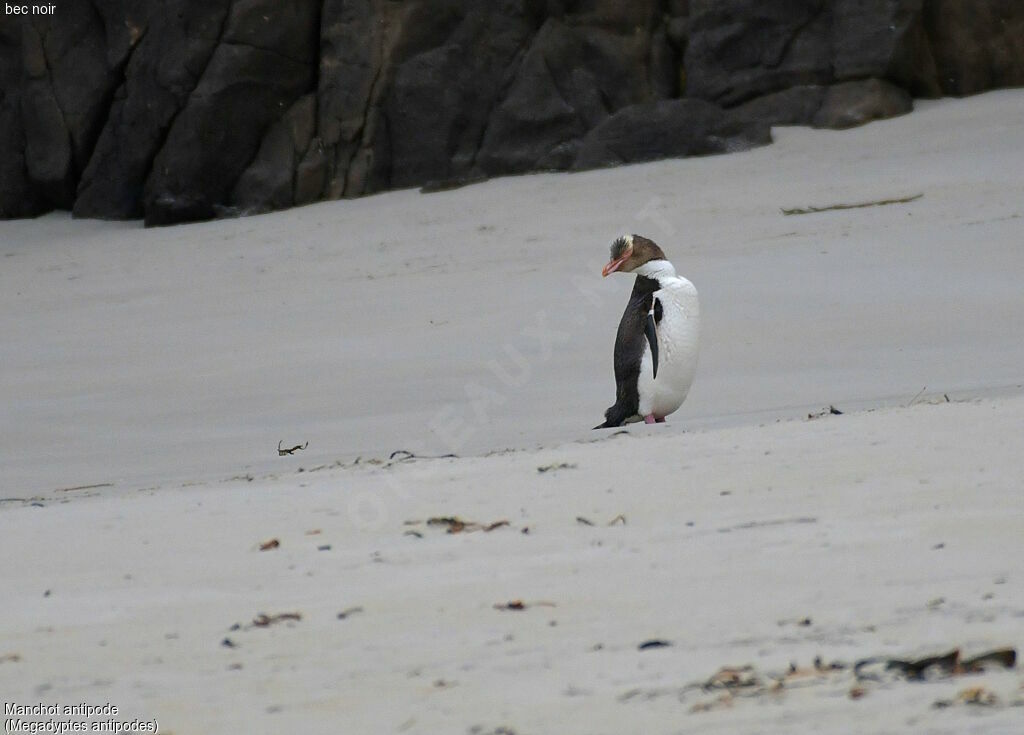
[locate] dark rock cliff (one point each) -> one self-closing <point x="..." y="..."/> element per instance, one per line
<point x="181" y="110"/>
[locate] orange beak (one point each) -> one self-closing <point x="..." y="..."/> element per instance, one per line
<point x="614" y="265"/>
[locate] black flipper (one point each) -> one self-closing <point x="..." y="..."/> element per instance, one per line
<point x="651" y="331"/>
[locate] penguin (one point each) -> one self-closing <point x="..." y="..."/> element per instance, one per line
<point x="658" y="339"/>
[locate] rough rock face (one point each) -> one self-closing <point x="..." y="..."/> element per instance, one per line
<point x="68" y="82"/>
<point x="976" y="45"/>
<point x="161" y="71"/>
<point x="18" y="197"/>
<point x="553" y="100"/>
<point x="849" y="104"/>
<point x="57" y="79"/>
<point x="741" y="49"/>
<point x="178" y="110"/>
<point x="837" y="106"/>
<point x="804" y="42"/>
<point x="653" y="130"/>
<point x="262" y="62"/>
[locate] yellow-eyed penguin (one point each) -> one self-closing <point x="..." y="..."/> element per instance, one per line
<point x="657" y="342"/>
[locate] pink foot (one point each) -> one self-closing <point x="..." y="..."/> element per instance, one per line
<point x="661" y="420"/>
<point x="649" y="418"/>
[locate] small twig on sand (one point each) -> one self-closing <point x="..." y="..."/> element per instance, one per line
<point x="298" y="447"/>
<point x="912" y="400"/>
<point x="85" y="487"/>
<point x="454" y="524"/>
<point x="556" y="466"/>
<point x="830" y="411"/>
<point x="401" y="455"/>
<point x="859" y="205"/>
<point x="520" y="605"/>
<point x="263" y="620"/>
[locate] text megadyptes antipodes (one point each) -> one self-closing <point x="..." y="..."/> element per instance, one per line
<point x="657" y="342"/>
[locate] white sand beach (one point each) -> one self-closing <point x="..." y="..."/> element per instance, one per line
<point x="148" y="377"/>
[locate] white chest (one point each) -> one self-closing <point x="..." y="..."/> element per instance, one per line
<point x="678" y="348"/>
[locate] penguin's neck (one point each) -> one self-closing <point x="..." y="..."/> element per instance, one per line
<point x="656" y="270"/>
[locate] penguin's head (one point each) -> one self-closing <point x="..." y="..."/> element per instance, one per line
<point x="629" y="252"/>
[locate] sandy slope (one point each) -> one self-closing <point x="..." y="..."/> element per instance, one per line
<point x="477" y="319"/>
<point x="898" y="532"/>
<point x="164" y="366"/>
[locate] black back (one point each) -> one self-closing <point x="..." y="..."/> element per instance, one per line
<point x="629" y="349"/>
